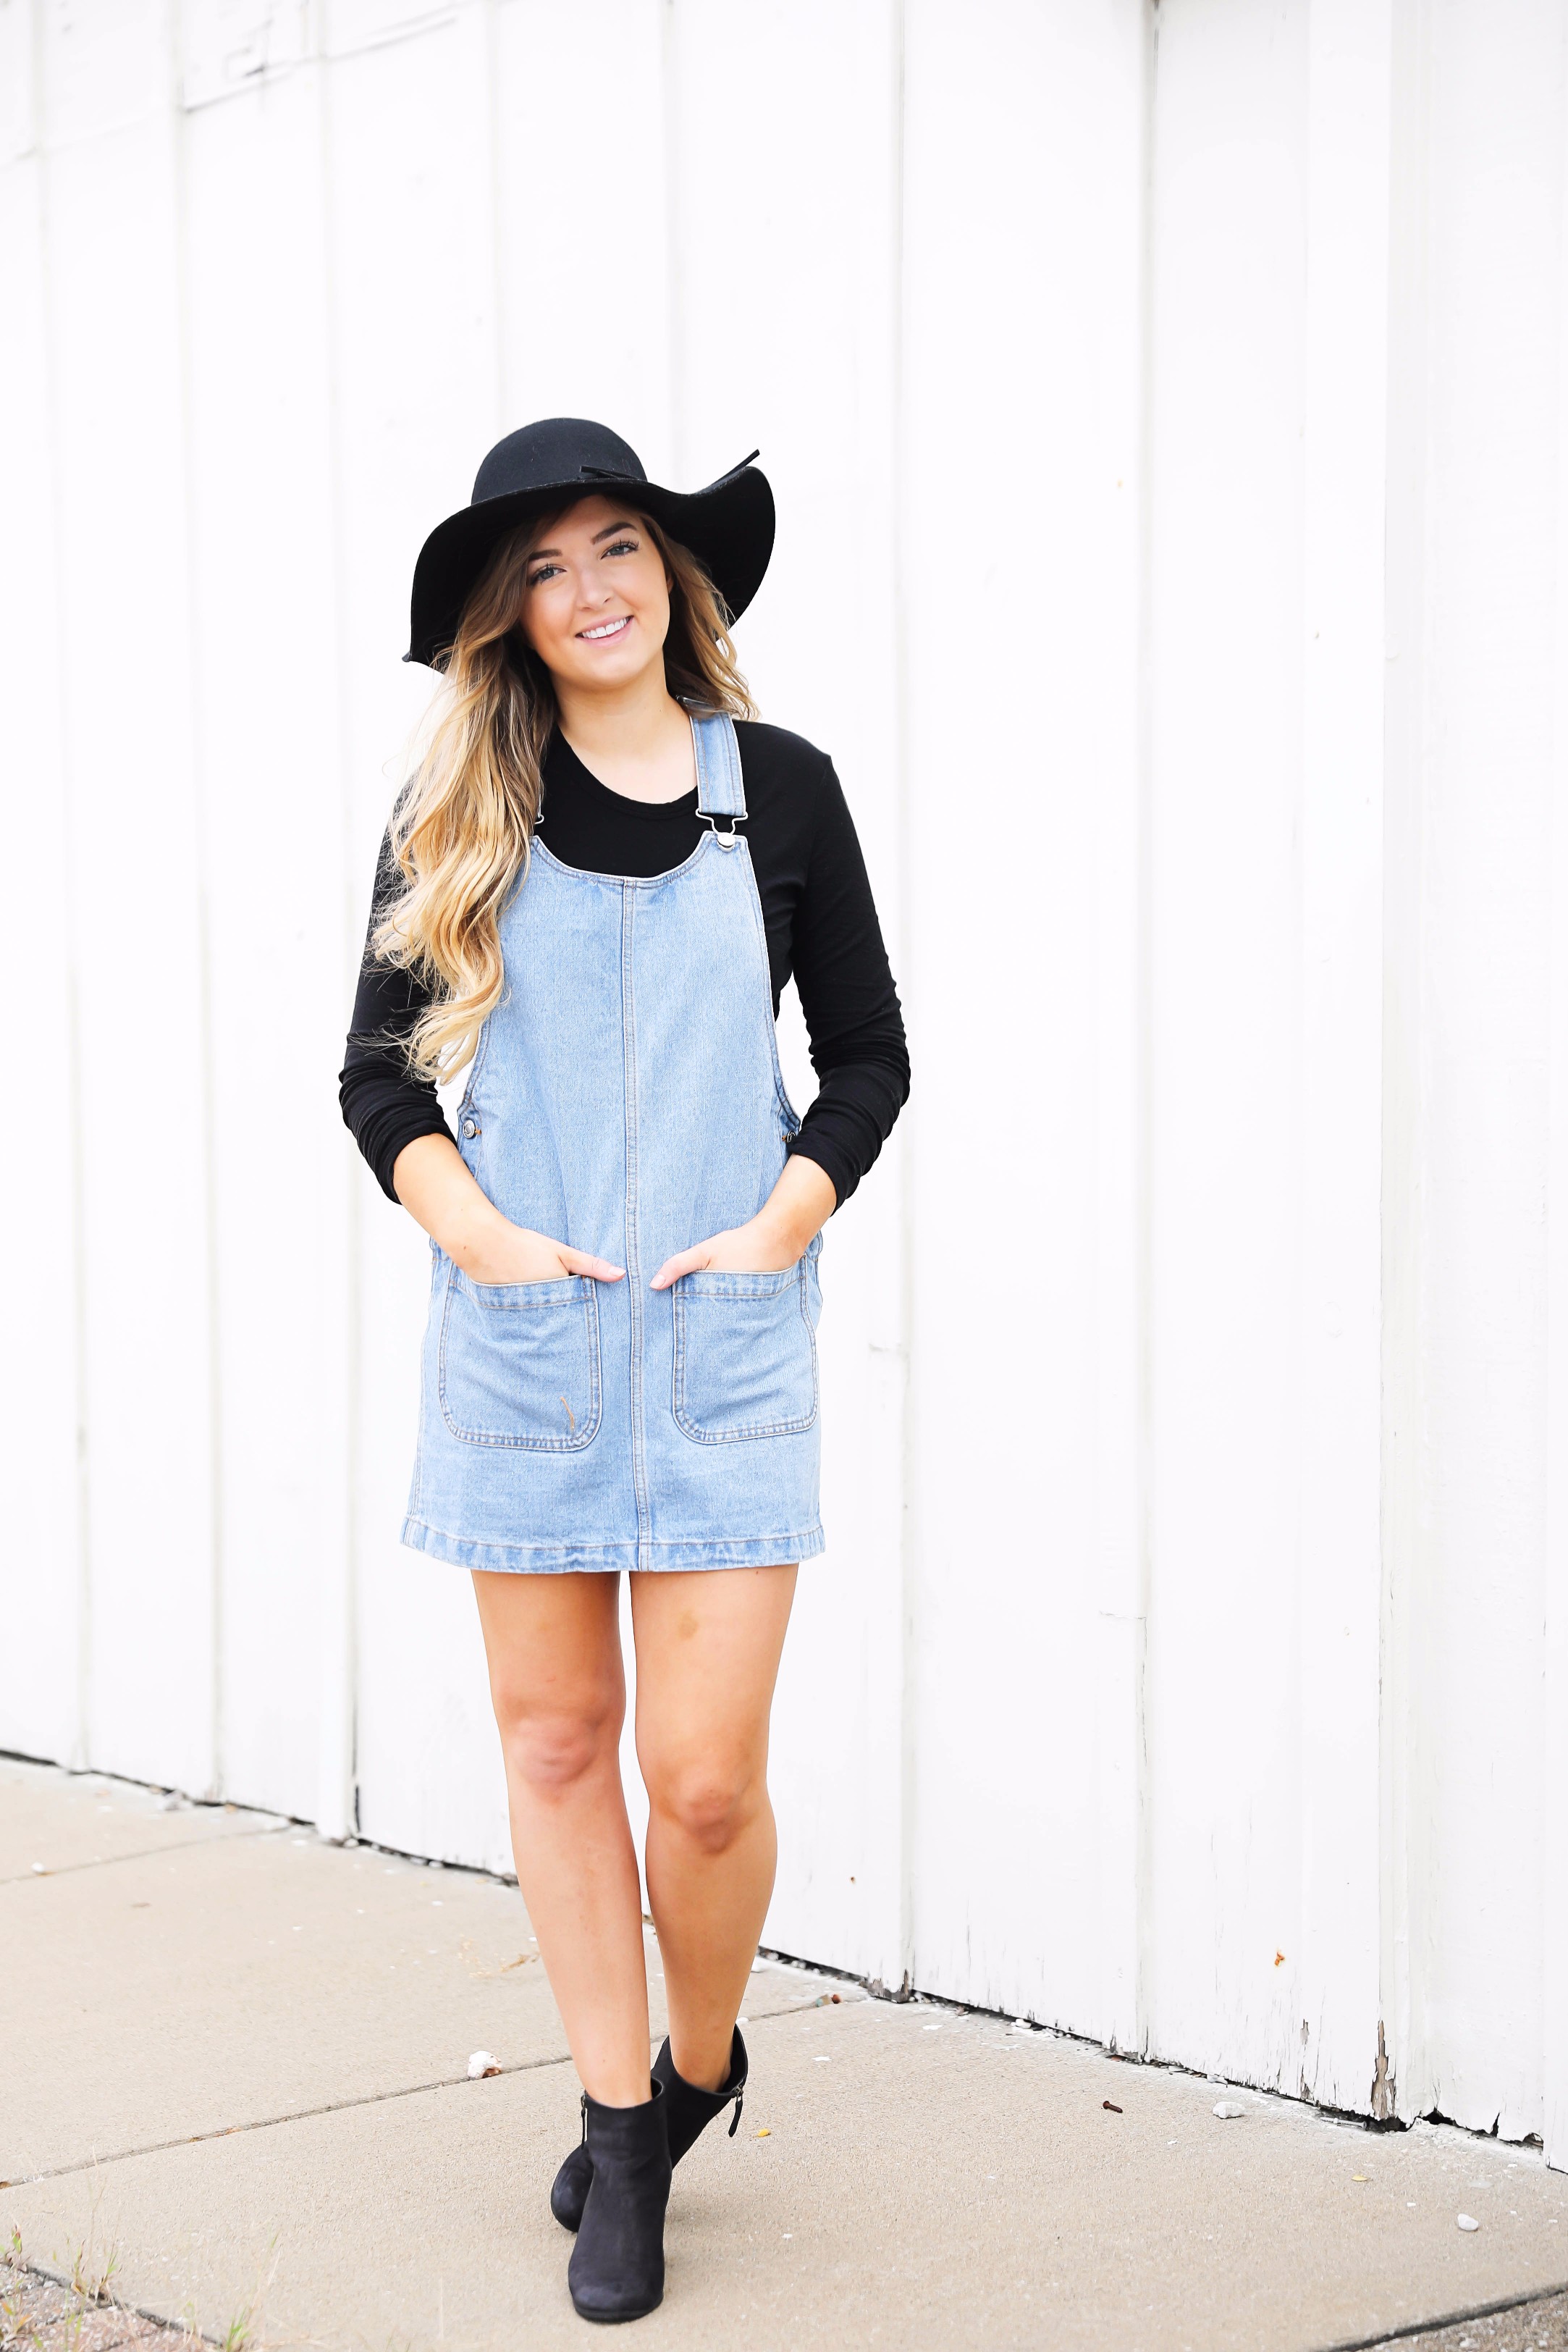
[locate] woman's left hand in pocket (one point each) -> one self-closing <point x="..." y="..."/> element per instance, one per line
<point x="756" y="1247"/>
<point x="770" y="1243"/>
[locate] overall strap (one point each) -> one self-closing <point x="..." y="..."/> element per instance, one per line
<point x="720" y="790"/>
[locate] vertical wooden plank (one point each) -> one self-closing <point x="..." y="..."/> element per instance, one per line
<point x="414" y="370"/>
<point x="104" y="65"/>
<point x="135" y="891"/>
<point x="18" y="91"/>
<point x="273" y="794"/>
<point x="1406" y="2082"/>
<point x="1224" y="1687"/>
<point x="40" y="1563"/>
<point x="1331" y="1977"/>
<point x="1554" y="1907"/>
<point x="1121" y="1040"/>
<point x="579" y="339"/>
<point x="1022" y="293"/>
<point x="1486" y="748"/>
<point x="788" y="338"/>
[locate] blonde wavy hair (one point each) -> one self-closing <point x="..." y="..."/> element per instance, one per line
<point x="463" y="827"/>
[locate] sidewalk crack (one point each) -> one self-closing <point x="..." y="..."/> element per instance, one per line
<point x="306" y="2115"/>
<point x="270" y="2123"/>
<point x="144" y="1853"/>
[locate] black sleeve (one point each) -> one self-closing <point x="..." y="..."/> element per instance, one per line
<point x="385" y="1106"/>
<point x="850" y="1006"/>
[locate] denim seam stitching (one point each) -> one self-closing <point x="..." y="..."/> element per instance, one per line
<point x="476" y="1067"/>
<point x="634" y="1238"/>
<point x="791" y="1116"/>
<point x="628" y="881"/>
<point x="655" y="1543"/>
<point x="722" y="768"/>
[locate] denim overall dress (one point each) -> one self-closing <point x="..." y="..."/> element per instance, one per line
<point x="626" y="1098"/>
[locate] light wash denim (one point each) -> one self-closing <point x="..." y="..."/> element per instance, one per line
<point x="626" y="1098"/>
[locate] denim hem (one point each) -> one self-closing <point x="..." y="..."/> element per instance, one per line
<point x="557" y="1560"/>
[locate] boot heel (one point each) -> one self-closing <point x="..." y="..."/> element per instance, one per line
<point x="569" y="2190"/>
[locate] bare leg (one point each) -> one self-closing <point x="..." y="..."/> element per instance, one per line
<point x="558" y="1688"/>
<point x="708" y="1644"/>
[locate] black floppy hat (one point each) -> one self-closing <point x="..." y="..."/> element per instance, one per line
<point x="728" y="527"/>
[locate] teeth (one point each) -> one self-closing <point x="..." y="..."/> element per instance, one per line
<point x="607" y="628"/>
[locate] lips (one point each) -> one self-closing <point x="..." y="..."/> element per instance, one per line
<point x="605" y="631"/>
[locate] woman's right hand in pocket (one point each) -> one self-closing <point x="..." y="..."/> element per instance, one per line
<point x="513" y="1253"/>
<point x="437" y="1188"/>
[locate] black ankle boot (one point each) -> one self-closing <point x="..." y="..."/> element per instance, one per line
<point x="617" y="2267"/>
<point x="687" y="2114"/>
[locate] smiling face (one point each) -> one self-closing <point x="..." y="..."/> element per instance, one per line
<point x="596" y="600"/>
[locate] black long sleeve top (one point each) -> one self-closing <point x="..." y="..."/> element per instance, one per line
<point x="817" y="910"/>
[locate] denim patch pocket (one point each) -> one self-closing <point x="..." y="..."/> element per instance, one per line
<point x="519" y="1362"/>
<point x="746" y="1355"/>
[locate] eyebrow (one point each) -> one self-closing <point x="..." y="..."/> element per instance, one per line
<point x="609" y="532"/>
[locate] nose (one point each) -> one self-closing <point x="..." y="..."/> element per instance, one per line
<point x="593" y="590"/>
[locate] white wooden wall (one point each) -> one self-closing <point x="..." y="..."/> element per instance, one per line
<point x="1167" y="413"/>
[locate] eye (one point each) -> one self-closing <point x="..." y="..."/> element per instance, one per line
<point x="621" y="547"/>
<point x="544" y="572"/>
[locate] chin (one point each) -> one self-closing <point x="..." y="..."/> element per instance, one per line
<point x="616" y="669"/>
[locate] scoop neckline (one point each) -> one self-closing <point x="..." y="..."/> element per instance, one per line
<point x="655" y="811"/>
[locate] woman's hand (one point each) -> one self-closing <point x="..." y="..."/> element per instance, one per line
<point x="513" y="1253"/>
<point x="795" y="1212"/>
<point x="433" y="1182"/>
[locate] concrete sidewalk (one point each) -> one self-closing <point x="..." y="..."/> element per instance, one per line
<point x="234" y="2065"/>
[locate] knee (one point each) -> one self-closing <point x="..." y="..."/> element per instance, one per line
<point x="708" y="1804"/>
<point x="549" y="1750"/>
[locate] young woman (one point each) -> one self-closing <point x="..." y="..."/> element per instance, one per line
<point x="591" y="895"/>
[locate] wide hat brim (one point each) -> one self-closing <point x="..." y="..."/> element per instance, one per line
<point x="728" y="527"/>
